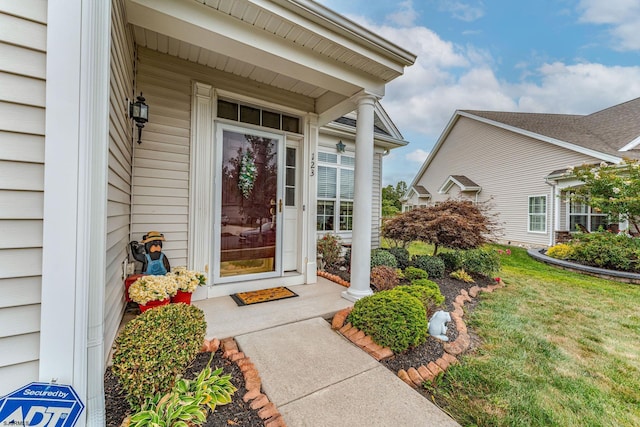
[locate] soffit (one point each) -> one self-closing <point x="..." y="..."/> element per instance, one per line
<point x="271" y="44"/>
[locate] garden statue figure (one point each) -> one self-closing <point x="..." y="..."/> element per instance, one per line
<point x="154" y="261"/>
<point x="438" y="325"/>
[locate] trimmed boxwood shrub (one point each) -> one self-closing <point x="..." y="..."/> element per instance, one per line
<point x="427" y="292"/>
<point x="452" y="259"/>
<point x="393" y="319"/>
<point x="155" y="348"/>
<point x="433" y="265"/>
<point x="413" y="273"/>
<point x="480" y="261"/>
<point x="402" y="256"/>
<point x="383" y="257"/>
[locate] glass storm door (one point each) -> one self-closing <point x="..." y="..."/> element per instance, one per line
<point x="250" y="204"/>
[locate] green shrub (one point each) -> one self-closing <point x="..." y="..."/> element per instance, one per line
<point x="383" y="277"/>
<point x="561" y="251"/>
<point x="402" y="256"/>
<point x="461" y="274"/>
<point x="426" y="283"/>
<point x="427" y="292"/>
<point x="606" y="250"/>
<point x="452" y="260"/>
<point x="330" y="247"/>
<point x="479" y="261"/>
<point x="154" y="349"/>
<point x="413" y="273"/>
<point x="393" y="319"/>
<point x="433" y="265"/>
<point x="383" y="257"/>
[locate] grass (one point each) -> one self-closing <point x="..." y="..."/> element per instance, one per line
<point x="558" y="349"/>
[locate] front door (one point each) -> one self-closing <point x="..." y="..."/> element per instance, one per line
<point x="249" y="204"/>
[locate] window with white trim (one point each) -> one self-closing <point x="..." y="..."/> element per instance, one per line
<point x="582" y="214"/>
<point x="335" y="192"/>
<point x="538" y="214"/>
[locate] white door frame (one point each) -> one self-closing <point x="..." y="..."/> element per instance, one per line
<point x="217" y="203"/>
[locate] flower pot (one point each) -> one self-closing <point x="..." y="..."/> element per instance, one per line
<point x="153" y="304"/>
<point x="181" y="296"/>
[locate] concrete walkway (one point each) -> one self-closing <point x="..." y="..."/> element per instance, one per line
<point x="311" y="373"/>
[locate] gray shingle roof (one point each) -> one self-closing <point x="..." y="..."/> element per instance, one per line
<point x="352" y="122"/>
<point x="464" y="181"/>
<point x="422" y="192"/>
<point x="606" y="131"/>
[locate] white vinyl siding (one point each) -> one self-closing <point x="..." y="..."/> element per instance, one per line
<point x="506" y="165"/>
<point x="119" y="170"/>
<point x="537" y="214"/>
<point x="161" y="161"/>
<point x="22" y="121"/>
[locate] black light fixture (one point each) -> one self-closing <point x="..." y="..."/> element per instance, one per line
<point x="340" y="147"/>
<point x="139" y="111"/>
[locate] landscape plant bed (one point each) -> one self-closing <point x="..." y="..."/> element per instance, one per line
<point x="236" y="413"/>
<point x="432" y="349"/>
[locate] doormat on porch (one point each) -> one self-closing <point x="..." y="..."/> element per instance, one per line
<point x="255" y="297"/>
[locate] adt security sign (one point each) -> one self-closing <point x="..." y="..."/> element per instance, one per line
<point x="41" y="405"/>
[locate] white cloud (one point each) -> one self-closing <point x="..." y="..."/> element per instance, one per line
<point x="623" y="17"/>
<point x="406" y="15"/>
<point x="417" y="156"/>
<point x="578" y="89"/>
<point x="463" y="10"/>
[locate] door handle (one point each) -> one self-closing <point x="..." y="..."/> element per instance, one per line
<point x="279" y="205"/>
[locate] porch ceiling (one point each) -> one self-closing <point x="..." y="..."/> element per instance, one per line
<point x="294" y="45"/>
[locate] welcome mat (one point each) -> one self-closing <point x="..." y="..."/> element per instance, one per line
<point x="255" y="297"/>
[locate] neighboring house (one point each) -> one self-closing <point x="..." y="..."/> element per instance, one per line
<point x="518" y="162"/>
<point x="229" y="84"/>
<point x="416" y="197"/>
<point x="336" y="160"/>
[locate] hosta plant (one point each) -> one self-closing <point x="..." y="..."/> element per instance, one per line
<point x="188" y="403"/>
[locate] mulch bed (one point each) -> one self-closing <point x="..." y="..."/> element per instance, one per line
<point x="433" y="348"/>
<point x="236" y="413"/>
<point x="239" y="413"/>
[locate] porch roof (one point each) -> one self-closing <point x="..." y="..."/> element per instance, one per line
<point x="293" y="45"/>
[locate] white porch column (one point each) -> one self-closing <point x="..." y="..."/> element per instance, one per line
<point x="75" y="200"/>
<point x="362" y="202"/>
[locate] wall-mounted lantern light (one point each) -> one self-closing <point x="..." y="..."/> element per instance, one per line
<point x="139" y="111"/>
<point x="340" y="147"/>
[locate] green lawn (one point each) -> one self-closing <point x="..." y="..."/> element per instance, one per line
<point x="558" y="349"/>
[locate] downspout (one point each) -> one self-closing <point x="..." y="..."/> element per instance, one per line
<point x="554" y="211"/>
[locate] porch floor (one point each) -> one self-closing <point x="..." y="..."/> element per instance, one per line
<point x="226" y="319"/>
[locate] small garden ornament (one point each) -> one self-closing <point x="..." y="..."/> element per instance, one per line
<point x="438" y="325"/>
<point x="153" y="260"/>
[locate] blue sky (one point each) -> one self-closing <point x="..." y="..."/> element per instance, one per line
<point x="546" y="56"/>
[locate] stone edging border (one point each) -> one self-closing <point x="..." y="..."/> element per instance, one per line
<point x="415" y="377"/>
<point x="333" y="278"/>
<point x="267" y="410"/>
